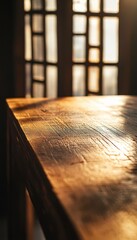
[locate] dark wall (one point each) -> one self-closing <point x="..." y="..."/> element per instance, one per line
<point x="128" y="48"/>
<point x="12" y="82"/>
<point x="6" y="85"/>
<point x="133" y="59"/>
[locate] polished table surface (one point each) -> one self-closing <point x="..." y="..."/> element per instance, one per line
<point x="80" y="163"/>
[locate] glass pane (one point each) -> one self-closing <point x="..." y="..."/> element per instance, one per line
<point x="94" y="31"/>
<point x="79" y="24"/>
<point x="94" y="55"/>
<point x="51" y="5"/>
<point x="110" y="76"/>
<point x="51" y="81"/>
<point x="38" y="48"/>
<point x="51" y="38"/>
<point x="37" y="4"/>
<point x="27" y="5"/>
<point x="110" y="39"/>
<point x="93" y="79"/>
<point x="79" y="48"/>
<point x="111" y="6"/>
<point x="38" y="72"/>
<point x="94" y="6"/>
<point x="37" y="23"/>
<point x="27" y="38"/>
<point x="79" y="5"/>
<point x="38" y="90"/>
<point x="78" y="80"/>
<point x="28" y="79"/>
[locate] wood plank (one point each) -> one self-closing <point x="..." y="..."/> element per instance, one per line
<point x="84" y="152"/>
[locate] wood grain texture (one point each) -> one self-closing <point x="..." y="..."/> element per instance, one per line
<point x="80" y="161"/>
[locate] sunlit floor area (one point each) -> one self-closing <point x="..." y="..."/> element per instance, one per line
<point x="34" y="230"/>
<point x="38" y="233"/>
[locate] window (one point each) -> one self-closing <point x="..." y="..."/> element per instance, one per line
<point x="41" y="60"/>
<point x="71" y="47"/>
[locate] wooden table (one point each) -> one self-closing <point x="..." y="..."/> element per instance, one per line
<point x="77" y="157"/>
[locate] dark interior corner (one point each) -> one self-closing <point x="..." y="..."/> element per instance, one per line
<point x="10" y="64"/>
<point x="6" y="88"/>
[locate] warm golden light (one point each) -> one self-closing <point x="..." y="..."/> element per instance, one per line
<point x="94" y="31"/>
<point x="111" y="6"/>
<point x="94" y="6"/>
<point x="94" y="55"/>
<point x="27" y="5"/>
<point x="51" y="38"/>
<point x="93" y="79"/>
<point x="79" y="5"/>
<point x="110" y="39"/>
<point x="51" y="5"/>
<point x="27" y="38"/>
<point x="79" y="34"/>
<point x="128" y="225"/>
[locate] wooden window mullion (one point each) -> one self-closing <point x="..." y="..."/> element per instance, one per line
<point x="101" y="48"/>
<point x="64" y="33"/>
<point x="44" y="46"/>
<point x="87" y="49"/>
<point x="32" y="51"/>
